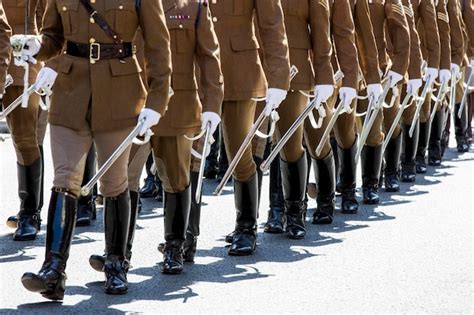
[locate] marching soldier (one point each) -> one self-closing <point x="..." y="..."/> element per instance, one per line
<point x="23" y="126"/>
<point x="245" y="80"/>
<point x="98" y="96"/>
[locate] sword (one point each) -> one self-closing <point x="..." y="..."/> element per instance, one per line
<point x="441" y="94"/>
<point x="86" y="189"/>
<point x="419" y="103"/>
<point x="207" y="142"/>
<point x="404" y="104"/>
<point x="452" y="94"/>
<point x="331" y="124"/>
<point x="464" y="96"/>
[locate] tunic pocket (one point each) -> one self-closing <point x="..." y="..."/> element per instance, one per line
<point x="68" y="10"/>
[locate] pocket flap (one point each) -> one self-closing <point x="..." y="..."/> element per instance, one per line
<point x="65" y="64"/>
<point x="65" y="5"/>
<point x="123" y="67"/>
<point x="241" y="43"/>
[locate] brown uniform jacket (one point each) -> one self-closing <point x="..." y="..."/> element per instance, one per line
<point x="193" y="43"/>
<point x="343" y="35"/>
<point x="425" y="20"/>
<point x="416" y="60"/>
<point x="468" y="15"/>
<point x="455" y="24"/>
<point x="242" y="68"/>
<point x="113" y="88"/>
<point x="15" y="11"/>
<point x="5" y="33"/>
<point x="388" y="19"/>
<point x="365" y="41"/>
<point x="444" y="34"/>
<point x="307" y="29"/>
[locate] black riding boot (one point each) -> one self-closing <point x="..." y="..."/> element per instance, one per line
<point x="409" y="153"/>
<point x="223" y="162"/>
<point x="192" y="232"/>
<point x="333" y="143"/>
<point x="244" y="238"/>
<point x="371" y="160"/>
<point x="150" y="189"/>
<point x="392" y="164"/>
<point x="421" y="148"/>
<point x="276" y="215"/>
<point x="177" y="207"/>
<point x="86" y="210"/>
<point x="434" y="148"/>
<point x="212" y="165"/>
<point x="293" y="177"/>
<point x="50" y="281"/>
<point x="325" y="171"/>
<point x="116" y="225"/>
<point x="347" y="175"/>
<point x="460" y="129"/>
<point x="29" y="190"/>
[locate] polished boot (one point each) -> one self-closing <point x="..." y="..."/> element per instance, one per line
<point x="192" y="232"/>
<point x="258" y="161"/>
<point x="29" y="190"/>
<point x="421" y="148"/>
<point x="244" y="239"/>
<point x="223" y="162"/>
<point x="177" y="208"/>
<point x="212" y="165"/>
<point x="97" y="262"/>
<point x="325" y="171"/>
<point x="371" y="163"/>
<point x="293" y="178"/>
<point x="333" y="143"/>
<point x="347" y="175"/>
<point x="86" y="210"/>
<point x="50" y="281"/>
<point x="276" y="215"/>
<point x="392" y="164"/>
<point x="116" y="225"/>
<point x="434" y="148"/>
<point x="460" y="129"/>
<point x="150" y="188"/>
<point x="409" y="154"/>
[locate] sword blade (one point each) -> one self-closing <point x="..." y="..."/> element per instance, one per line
<point x="197" y="196"/>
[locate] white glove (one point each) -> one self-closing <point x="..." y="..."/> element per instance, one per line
<point x="431" y="73"/>
<point x="374" y="89"/>
<point x="274" y="99"/>
<point x="348" y="95"/>
<point x="323" y="92"/>
<point x="45" y="78"/>
<point x="151" y="117"/>
<point x="444" y="76"/>
<point x="393" y="78"/>
<point x="413" y="86"/>
<point x="30" y="46"/>
<point x="456" y="70"/>
<point x="211" y="117"/>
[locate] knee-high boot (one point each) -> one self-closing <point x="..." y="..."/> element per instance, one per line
<point x="392" y="164"/>
<point x="325" y="171"/>
<point x="276" y="214"/>
<point x="371" y="160"/>
<point x="347" y="175"/>
<point x="409" y="153"/>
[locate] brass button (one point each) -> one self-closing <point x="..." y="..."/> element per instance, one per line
<point x="92" y="61"/>
<point x="121" y="7"/>
<point x="92" y="40"/>
<point x="180" y="25"/>
<point x="92" y="1"/>
<point x="92" y="20"/>
<point x="64" y="8"/>
<point x="214" y="19"/>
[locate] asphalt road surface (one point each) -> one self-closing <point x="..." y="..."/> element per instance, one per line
<point x="411" y="253"/>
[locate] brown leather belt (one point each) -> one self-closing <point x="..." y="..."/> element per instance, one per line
<point x="96" y="51"/>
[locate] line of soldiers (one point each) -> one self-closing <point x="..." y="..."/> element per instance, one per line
<point x="170" y="78"/>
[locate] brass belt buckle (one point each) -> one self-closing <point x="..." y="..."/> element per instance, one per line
<point x="94" y="52"/>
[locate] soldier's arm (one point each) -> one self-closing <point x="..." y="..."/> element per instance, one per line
<point x="444" y="35"/>
<point x="39" y="12"/>
<point x="397" y="28"/>
<point x="414" y="66"/>
<point x="52" y="34"/>
<point x="207" y="55"/>
<point x="157" y="55"/>
<point x="457" y="41"/>
<point x="343" y="32"/>
<point x="5" y="33"/>
<point x="468" y="15"/>
<point x="275" y="44"/>
<point x="366" y="45"/>
<point x="427" y="13"/>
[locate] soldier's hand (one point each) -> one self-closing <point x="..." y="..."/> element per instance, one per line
<point x="45" y="78"/>
<point x="444" y="76"/>
<point x="413" y="86"/>
<point x="393" y="78"/>
<point x="151" y="118"/>
<point x="431" y="73"/>
<point x="274" y="99"/>
<point x="456" y="71"/>
<point x="210" y="117"/>
<point x="374" y="90"/>
<point x="347" y="94"/>
<point x="323" y="92"/>
<point x="25" y="47"/>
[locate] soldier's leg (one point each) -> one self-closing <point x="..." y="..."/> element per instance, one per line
<point x="212" y="165"/>
<point x="237" y="120"/>
<point x="409" y="144"/>
<point x="69" y="151"/>
<point x="345" y="132"/>
<point x="460" y="123"/>
<point x="22" y="123"/>
<point x="173" y="158"/>
<point x="393" y="149"/>
<point x="152" y="186"/>
<point x="258" y="147"/>
<point x="86" y="204"/>
<point x="423" y="135"/>
<point x="437" y="127"/>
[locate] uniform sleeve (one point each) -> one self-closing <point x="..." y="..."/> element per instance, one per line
<point x="207" y="55"/>
<point x="157" y="55"/>
<point x="468" y="15"/>
<point x="366" y="45"/>
<point x="414" y="67"/>
<point x="427" y="15"/>
<point x="397" y="28"/>
<point x="444" y="35"/>
<point x="457" y="40"/>
<point x="5" y="33"/>
<point x="343" y="32"/>
<point x="52" y="35"/>
<point x="275" y="44"/>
